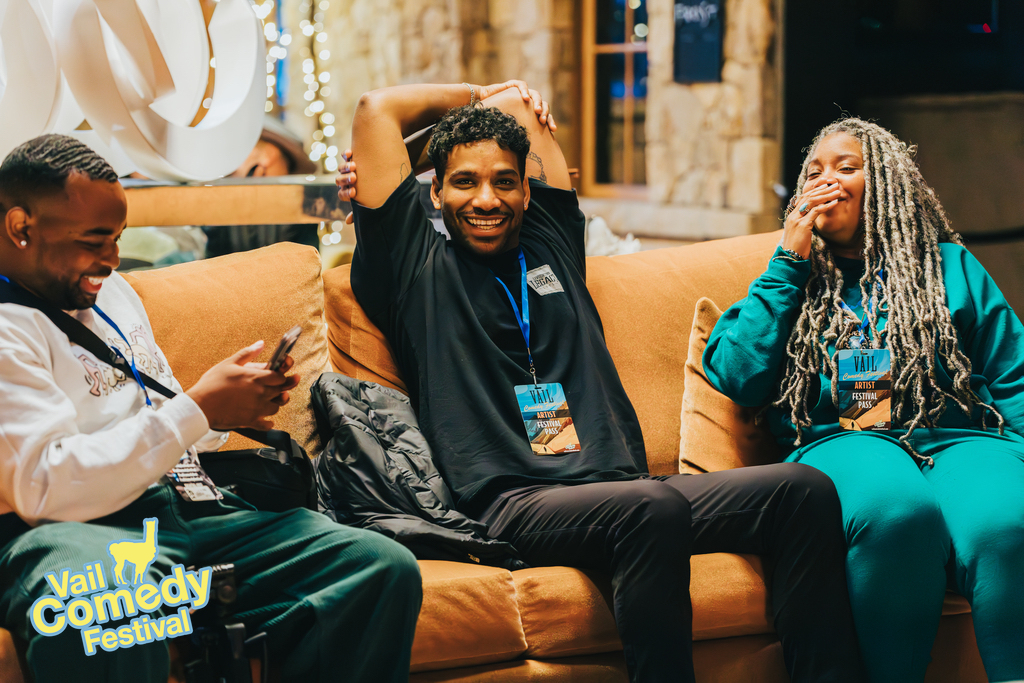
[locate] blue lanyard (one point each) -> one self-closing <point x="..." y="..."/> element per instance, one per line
<point x="135" y="370"/>
<point x="524" y="319"/>
<point x="859" y="341"/>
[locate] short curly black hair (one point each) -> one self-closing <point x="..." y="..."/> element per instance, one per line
<point x="42" y="165"/>
<point x="472" y="124"/>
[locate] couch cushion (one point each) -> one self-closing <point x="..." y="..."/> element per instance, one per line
<point x="357" y="347"/>
<point x="469" y="616"/>
<point x="714" y="432"/>
<point x="566" y="611"/>
<point x="204" y="311"/>
<point x="605" y="668"/>
<point x="646" y="301"/>
<point x="729" y="596"/>
<point x="954" y="603"/>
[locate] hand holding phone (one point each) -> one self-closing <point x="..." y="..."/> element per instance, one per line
<point x="284" y="347"/>
<point x="238" y="393"/>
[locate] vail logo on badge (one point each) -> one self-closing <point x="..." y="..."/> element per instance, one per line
<point x="83" y="600"/>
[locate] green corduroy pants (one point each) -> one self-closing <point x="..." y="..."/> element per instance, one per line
<point x="337" y="603"/>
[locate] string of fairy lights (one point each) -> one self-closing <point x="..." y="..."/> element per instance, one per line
<point x="312" y="48"/>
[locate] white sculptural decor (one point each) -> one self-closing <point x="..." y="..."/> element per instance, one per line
<point x="127" y="78"/>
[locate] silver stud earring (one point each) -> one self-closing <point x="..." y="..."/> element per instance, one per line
<point x="24" y="243"/>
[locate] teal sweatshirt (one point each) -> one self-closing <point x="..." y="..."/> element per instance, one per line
<point x="746" y="354"/>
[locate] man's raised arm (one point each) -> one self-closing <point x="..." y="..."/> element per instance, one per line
<point x="382" y="120"/>
<point x="385" y="117"/>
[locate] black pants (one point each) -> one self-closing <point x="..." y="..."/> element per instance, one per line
<point x="643" y="532"/>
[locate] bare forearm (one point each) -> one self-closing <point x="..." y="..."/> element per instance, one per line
<point x="410" y="107"/>
<point x="382" y="120"/>
<point x="387" y="150"/>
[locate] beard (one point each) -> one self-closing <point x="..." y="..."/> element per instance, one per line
<point x="66" y="295"/>
<point x="72" y="298"/>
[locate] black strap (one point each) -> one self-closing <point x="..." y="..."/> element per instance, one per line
<point x="80" y="334"/>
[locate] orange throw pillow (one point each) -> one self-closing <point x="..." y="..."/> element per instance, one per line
<point x="715" y="433"/>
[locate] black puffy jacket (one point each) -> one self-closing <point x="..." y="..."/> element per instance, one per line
<point x="377" y="473"/>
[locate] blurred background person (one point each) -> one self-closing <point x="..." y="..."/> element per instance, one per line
<point x="279" y="152"/>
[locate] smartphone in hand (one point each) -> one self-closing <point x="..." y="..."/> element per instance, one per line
<point x="284" y="347"/>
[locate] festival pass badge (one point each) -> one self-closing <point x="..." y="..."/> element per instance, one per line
<point x="549" y="425"/>
<point x="865" y="389"/>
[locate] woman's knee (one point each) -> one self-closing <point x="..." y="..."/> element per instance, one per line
<point x="63" y="539"/>
<point x="896" y="520"/>
<point x="402" y="567"/>
<point x="653" y="511"/>
<point x="653" y="530"/>
<point x="54" y="547"/>
<point x="993" y="542"/>
<point x="801" y="495"/>
<point x="883" y="496"/>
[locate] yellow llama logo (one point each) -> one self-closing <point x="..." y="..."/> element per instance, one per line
<point x="83" y="599"/>
<point x="138" y="554"/>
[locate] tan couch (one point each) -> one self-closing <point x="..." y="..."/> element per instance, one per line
<point x="546" y="623"/>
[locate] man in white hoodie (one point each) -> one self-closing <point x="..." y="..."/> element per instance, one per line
<point x="87" y="453"/>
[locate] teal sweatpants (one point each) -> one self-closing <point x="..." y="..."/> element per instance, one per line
<point x="337" y="603"/>
<point x="911" y="530"/>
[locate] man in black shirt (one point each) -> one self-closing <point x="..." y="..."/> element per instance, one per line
<point x="503" y="353"/>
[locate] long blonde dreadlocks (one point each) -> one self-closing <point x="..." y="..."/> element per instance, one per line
<point x="902" y="224"/>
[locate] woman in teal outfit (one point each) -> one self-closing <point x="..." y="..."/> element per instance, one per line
<point x="932" y="489"/>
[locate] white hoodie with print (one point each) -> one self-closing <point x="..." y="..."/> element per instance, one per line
<point x="77" y="440"/>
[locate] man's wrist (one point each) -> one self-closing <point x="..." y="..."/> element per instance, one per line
<point x="472" y="94"/>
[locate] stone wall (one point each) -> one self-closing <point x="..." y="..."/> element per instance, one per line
<point x="535" y="40"/>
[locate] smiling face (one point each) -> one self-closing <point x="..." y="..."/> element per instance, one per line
<point x="838" y="159"/>
<point x="71" y="238"/>
<point x="483" y="197"/>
